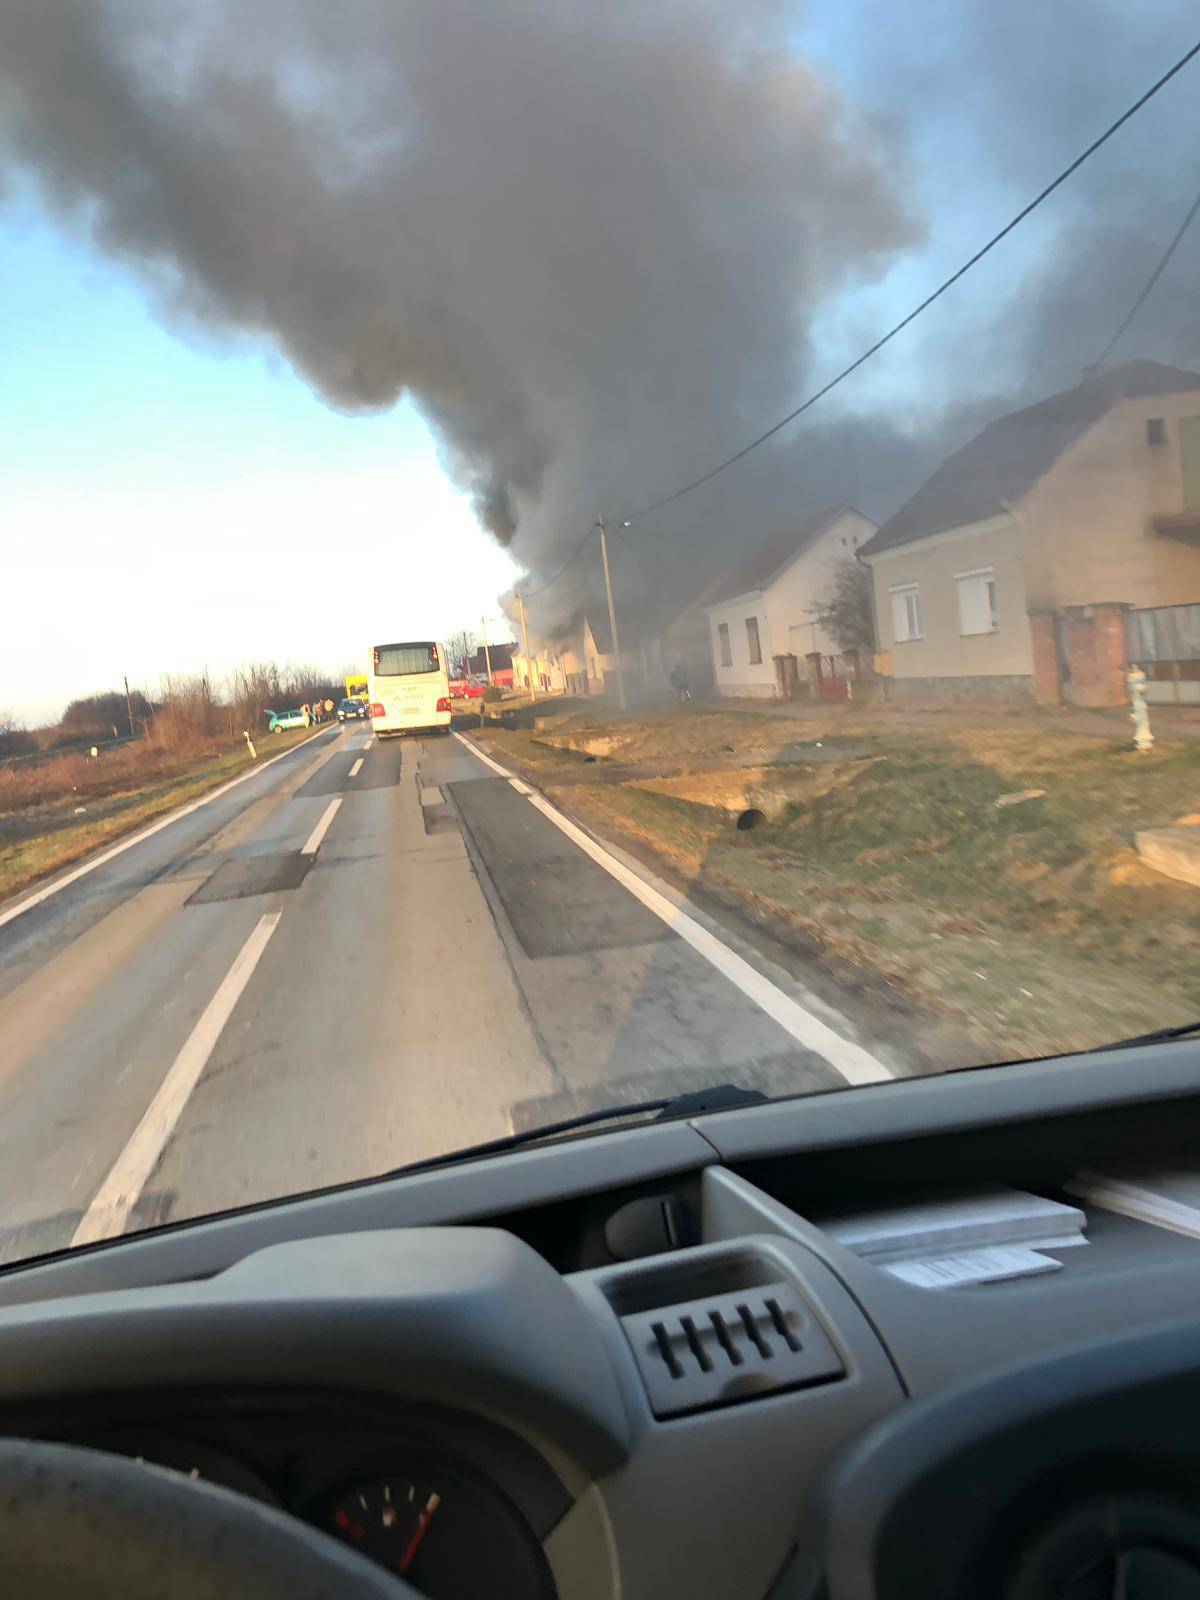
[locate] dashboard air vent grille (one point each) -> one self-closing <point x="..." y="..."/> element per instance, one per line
<point x="729" y="1347"/>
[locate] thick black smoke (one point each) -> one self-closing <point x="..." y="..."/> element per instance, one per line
<point x="594" y="242"/>
<point x="585" y="239"/>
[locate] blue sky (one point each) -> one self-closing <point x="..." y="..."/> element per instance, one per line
<point x="171" y="504"/>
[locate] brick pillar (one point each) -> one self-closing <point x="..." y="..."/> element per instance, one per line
<point x="813" y="662"/>
<point x="1096" y="651"/>
<point x="1047" y="680"/>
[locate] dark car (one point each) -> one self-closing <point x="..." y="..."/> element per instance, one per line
<point x="348" y="710"/>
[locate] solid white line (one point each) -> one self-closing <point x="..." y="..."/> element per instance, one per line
<point x="354" y="770"/>
<point x="854" y="1063"/>
<point x="313" y="843"/>
<point x="520" y="786"/>
<point x="157" y="826"/>
<point x="483" y="756"/>
<point x="109" y="1211"/>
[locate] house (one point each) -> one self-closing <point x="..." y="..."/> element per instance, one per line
<point x="760" y="622"/>
<point x="501" y="658"/>
<point x="543" y="665"/>
<point x="1057" y="547"/>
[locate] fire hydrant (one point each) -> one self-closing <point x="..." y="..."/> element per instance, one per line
<point x="1139" y="715"/>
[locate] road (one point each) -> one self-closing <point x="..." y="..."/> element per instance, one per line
<point x="365" y="954"/>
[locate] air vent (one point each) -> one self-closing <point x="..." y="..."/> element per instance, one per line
<point x="726" y="1348"/>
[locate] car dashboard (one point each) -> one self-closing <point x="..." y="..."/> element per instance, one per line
<point x="635" y="1363"/>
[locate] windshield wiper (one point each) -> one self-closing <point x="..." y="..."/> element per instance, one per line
<point x="720" y="1097"/>
<point x="1157" y="1037"/>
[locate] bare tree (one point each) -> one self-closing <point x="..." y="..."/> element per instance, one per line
<point x="14" y="739"/>
<point x="459" y="648"/>
<point x="848" y="608"/>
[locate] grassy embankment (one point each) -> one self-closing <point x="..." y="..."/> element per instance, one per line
<point x="43" y="828"/>
<point x="885" y="855"/>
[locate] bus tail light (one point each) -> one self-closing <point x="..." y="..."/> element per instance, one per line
<point x="377" y="710"/>
<point x="443" y="704"/>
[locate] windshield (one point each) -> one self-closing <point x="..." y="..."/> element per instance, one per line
<point x="405" y="660"/>
<point x="768" y="437"/>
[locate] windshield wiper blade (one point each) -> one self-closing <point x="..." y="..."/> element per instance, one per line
<point x="1157" y="1037"/>
<point x="720" y="1097"/>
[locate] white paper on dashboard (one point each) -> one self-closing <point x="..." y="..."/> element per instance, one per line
<point x="950" y="1225"/>
<point x="989" y="1265"/>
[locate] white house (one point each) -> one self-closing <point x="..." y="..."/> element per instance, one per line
<point x="763" y="607"/>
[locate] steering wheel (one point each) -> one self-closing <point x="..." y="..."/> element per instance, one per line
<point x="1075" y="1477"/>
<point x="80" y="1524"/>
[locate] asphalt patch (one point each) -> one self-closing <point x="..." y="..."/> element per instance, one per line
<point x="381" y="766"/>
<point x="245" y="876"/>
<point x="559" y="901"/>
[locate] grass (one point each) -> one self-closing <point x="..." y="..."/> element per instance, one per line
<point x="1033" y="925"/>
<point x="43" y="836"/>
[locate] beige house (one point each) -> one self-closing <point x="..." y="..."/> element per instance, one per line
<point x="760" y="613"/>
<point x="587" y="663"/>
<point x="1058" y="546"/>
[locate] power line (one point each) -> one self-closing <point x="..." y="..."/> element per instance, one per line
<point x="529" y="594"/>
<point x="929" y="299"/>
<point x="1152" y="280"/>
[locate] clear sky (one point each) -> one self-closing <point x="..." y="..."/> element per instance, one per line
<point x="169" y="505"/>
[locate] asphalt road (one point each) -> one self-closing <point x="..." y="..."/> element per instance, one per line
<point x="367" y="954"/>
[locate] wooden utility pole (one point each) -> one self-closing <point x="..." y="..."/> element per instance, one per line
<point x="612" y="613"/>
<point x="128" y="705"/>
<point x="525" y="639"/>
<point x="487" y="654"/>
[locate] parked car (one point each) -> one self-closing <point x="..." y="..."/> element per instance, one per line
<point x="350" y="710"/>
<point x="280" y="720"/>
<point x="476" y="687"/>
<point x="458" y="688"/>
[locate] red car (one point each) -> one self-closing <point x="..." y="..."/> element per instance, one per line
<point x="475" y="688"/>
<point x="458" y="688"/>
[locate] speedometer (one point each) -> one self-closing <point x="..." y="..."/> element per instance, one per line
<point x="448" y="1532"/>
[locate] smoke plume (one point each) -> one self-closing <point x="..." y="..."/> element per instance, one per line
<point x="590" y="241"/>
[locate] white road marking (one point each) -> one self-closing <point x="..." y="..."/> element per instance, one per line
<point x="49" y="889"/>
<point x="483" y="756"/>
<point x="432" y="796"/>
<point x="856" y="1064"/>
<point x="520" y="786"/>
<point x="313" y="843"/>
<point x="109" y="1211"/>
<point x="354" y="770"/>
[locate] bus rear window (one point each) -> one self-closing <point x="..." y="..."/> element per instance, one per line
<point x="402" y="660"/>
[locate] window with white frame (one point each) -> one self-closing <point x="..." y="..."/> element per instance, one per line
<point x="907" y="622"/>
<point x="723" y="642"/>
<point x="753" y="644"/>
<point x="977" y="611"/>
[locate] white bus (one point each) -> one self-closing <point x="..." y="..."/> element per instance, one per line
<point x="409" y="688"/>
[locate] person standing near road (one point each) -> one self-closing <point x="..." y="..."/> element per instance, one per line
<point x="679" y="682"/>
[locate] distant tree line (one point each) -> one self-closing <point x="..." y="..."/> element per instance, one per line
<point x="185" y="708"/>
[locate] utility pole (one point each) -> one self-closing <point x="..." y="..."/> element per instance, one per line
<point x="612" y="613"/>
<point x="487" y="654"/>
<point x="128" y="706"/>
<point x="525" y="638"/>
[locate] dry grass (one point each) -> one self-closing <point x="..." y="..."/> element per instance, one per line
<point x="118" y="794"/>
<point x="1035" y="925"/>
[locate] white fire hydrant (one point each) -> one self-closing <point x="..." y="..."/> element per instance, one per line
<point x="1139" y="714"/>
